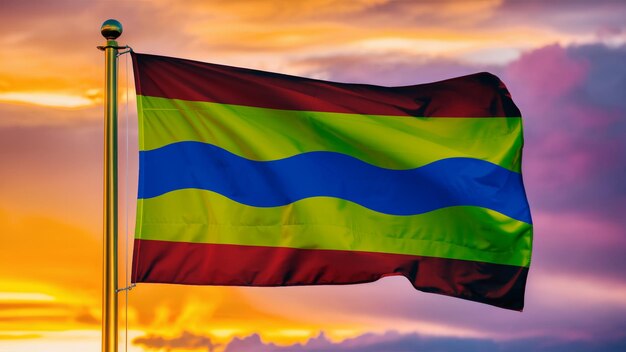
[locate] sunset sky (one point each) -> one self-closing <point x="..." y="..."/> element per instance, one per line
<point x="564" y="62"/>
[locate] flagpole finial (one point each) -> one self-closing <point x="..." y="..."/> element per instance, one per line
<point x="111" y="29"/>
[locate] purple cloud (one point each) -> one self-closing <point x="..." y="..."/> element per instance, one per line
<point x="574" y="123"/>
<point x="389" y="341"/>
<point x="573" y="16"/>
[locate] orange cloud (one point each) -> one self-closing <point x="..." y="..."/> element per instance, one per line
<point x="264" y="34"/>
<point x="51" y="99"/>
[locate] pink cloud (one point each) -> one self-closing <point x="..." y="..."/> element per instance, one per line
<point x="547" y="73"/>
<point x="572" y="118"/>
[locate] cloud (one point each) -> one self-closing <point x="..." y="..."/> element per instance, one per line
<point x="46" y="99"/>
<point x="389" y="341"/>
<point x="45" y="234"/>
<point x="275" y="31"/>
<point x="574" y="122"/>
<point x="548" y="73"/>
<point x="357" y="11"/>
<point x="382" y="69"/>
<point x="186" y="340"/>
<point x="605" y="76"/>
<point x="574" y="16"/>
<point x="54" y="170"/>
<point x="228" y="31"/>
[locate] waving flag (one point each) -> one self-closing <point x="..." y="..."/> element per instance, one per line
<point x="256" y="178"/>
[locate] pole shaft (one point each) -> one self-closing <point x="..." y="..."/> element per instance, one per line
<point x="109" y="284"/>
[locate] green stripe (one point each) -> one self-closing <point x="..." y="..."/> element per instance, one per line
<point x="463" y="232"/>
<point x="387" y="141"/>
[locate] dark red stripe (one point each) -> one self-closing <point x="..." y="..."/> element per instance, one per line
<point x="234" y="265"/>
<point x="477" y="95"/>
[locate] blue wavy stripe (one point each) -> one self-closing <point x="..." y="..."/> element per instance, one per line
<point x="444" y="183"/>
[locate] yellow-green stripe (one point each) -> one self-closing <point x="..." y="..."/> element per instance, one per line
<point x="462" y="232"/>
<point x="387" y="141"/>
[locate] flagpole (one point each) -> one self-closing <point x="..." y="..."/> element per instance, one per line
<point x="111" y="30"/>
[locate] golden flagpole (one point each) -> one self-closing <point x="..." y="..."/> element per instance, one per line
<point x="111" y="30"/>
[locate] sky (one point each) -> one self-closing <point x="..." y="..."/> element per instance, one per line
<point x="563" y="62"/>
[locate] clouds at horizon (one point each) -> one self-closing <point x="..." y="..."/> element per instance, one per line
<point x="388" y="341"/>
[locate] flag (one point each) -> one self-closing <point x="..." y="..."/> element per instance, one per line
<point x="262" y="179"/>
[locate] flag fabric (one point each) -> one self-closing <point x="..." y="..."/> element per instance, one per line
<point x="262" y="179"/>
